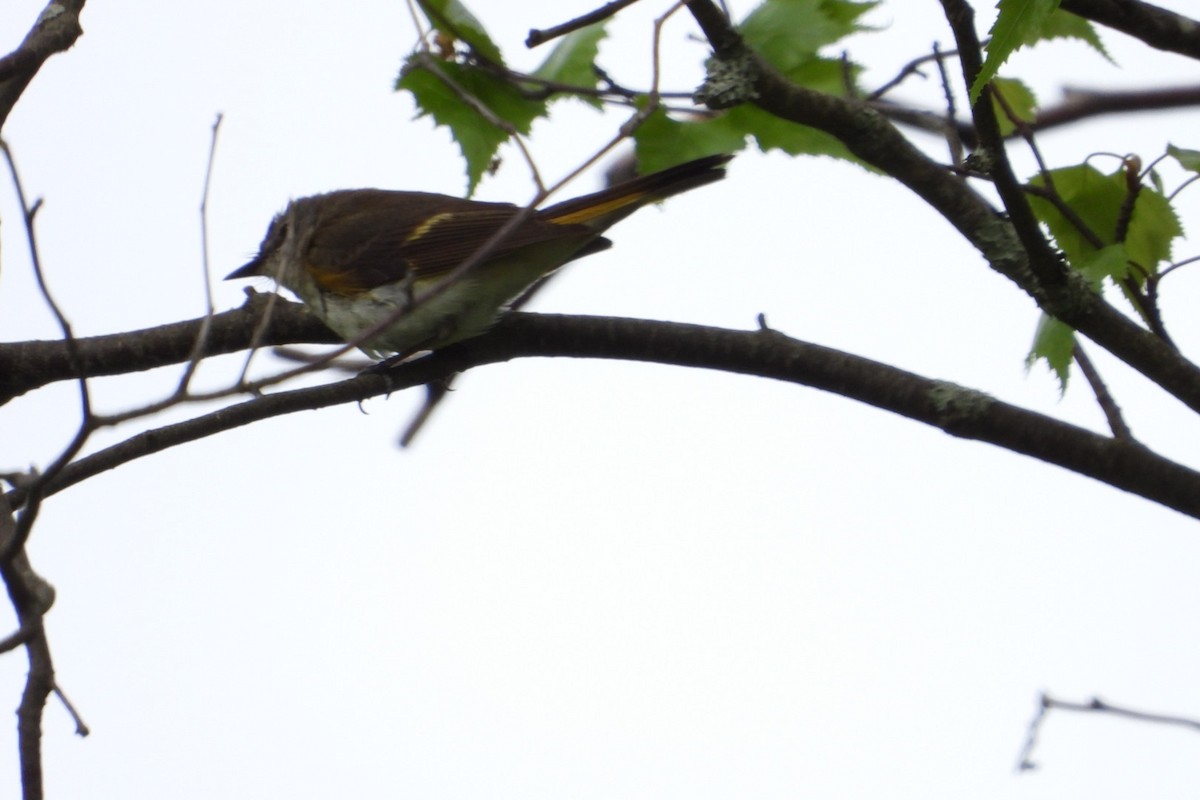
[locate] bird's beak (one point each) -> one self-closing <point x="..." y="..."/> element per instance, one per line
<point x="250" y="270"/>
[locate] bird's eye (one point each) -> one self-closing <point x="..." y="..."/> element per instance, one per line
<point x="276" y="234"/>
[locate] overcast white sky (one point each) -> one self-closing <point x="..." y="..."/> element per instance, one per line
<point x="587" y="579"/>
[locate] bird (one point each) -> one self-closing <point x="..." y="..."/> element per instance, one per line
<point x="378" y="267"/>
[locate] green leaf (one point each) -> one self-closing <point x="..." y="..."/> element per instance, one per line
<point x="573" y="61"/>
<point x="1092" y="197"/>
<point x="1098" y="201"/>
<point x="788" y="33"/>
<point x="1019" y="99"/>
<point x="826" y="75"/>
<point x="454" y="20"/>
<point x="773" y="133"/>
<point x="1107" y="262"/>
<point x="1188" y="159"/>
<point x="470" y="102"/>
<point x="1157" y="180"/>
<point x="1019" y="21"/>
<point x="1152" y="231"/>
<point x="664" y="142"/>
<point x="1065" y="25"/>
<point x="1054" y="343"/>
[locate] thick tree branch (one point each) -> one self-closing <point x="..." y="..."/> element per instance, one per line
<point x="56" y="29"/>
<point x="958" y="411"/>
<point x="24" y="596"/>
<point x="868" y="134"/>
<point x="1077" y="105"/>
<point x="1157" y="27"/>
<point x="25" y="366"/>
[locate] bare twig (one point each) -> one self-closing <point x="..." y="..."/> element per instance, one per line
<point x="1077" y="105"/>
<point x="1112" y="411"/>
<point x="537" y="37"/>
<point x="953" y="140"/>
<point x="1025" y="761"/>
<point x="1186" y="183"/>
<point x="202" y="336"/>
<point x="911" y="68"/>
<point x="1095" y="705"/>
<point x="32" y="504"/>
<point x="1051" y="195"/>
<point x="81" y="728"/>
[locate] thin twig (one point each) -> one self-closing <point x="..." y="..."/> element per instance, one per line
<point x="1051" y="195"/>
<point x="427" y="62"/>
<point x="193" y="361"/>
<point x="1192" y="179"/>
<point x="1174" y="266"/>
<point x="81" y="728"/>
<point x="32" y="505"/>
<point x="1146" y="304"/>
<point x="953" y="140"/>
<point x="1112" y="412"/>
<point x="911" y="68"/>
<point x="1098" y="705"/>
<point x="1095" y="705"/>
<point x="611" y="92"/>
<point x="537" y="37"/>
<point x="1025" y="761"/>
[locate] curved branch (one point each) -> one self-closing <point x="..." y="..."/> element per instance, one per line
<point x="25" y="366"/>
<point x="1077" y="105"/>
<point x="868" y="134"/>
<point x="958" y="411"/>
<point x="1080" y="104"/>
<point x="1157" y="27"/>
<point x="29" y="608"/>
<point x="56" y="29"/>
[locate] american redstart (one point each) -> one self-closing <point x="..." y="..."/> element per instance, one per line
<point x="361" y="256"/>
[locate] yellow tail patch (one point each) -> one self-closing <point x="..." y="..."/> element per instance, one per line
<point x="599" y="210"/>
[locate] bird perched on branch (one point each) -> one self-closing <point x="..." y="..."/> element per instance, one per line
<point x="385" y="269"/>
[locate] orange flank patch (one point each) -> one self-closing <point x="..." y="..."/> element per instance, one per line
<point x="343" y="283"/>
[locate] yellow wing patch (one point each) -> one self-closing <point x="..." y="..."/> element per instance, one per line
<point x="426" y="226"/>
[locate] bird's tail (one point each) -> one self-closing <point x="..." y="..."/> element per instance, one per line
<point x="601" y="209"/>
